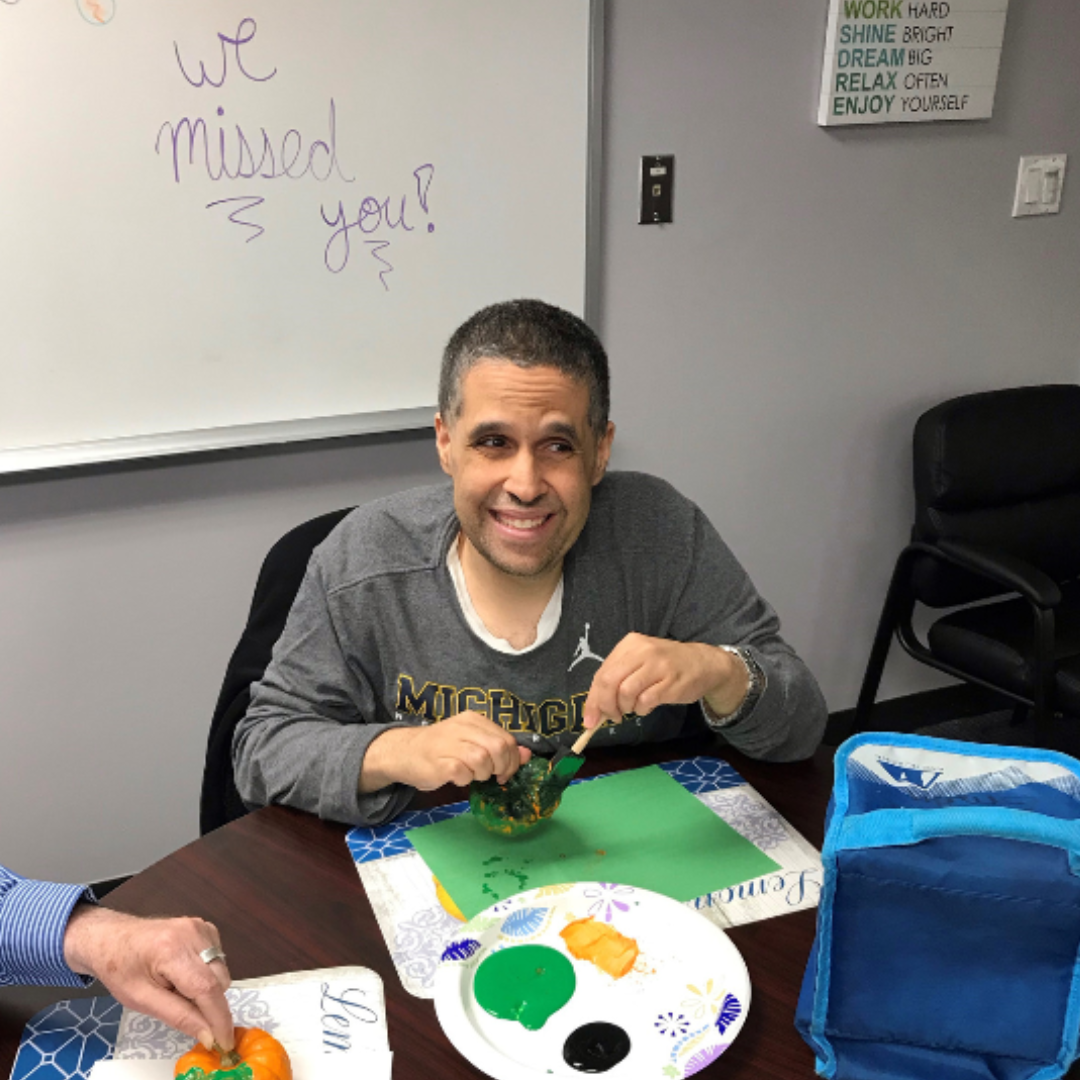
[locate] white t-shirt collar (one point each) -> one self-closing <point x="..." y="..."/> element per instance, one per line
<point x="545" y="628"/>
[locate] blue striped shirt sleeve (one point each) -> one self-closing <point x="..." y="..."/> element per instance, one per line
<point x="33" y="918"/>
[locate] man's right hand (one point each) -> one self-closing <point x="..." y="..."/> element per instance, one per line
<point x="154" y="966"/>
<point x="457" y="750"/>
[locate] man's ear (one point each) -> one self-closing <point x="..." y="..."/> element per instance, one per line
<point x="603" y="453"/>
<point x="442" y="442"/>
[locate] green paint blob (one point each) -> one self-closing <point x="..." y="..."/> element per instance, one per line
<point x="526" y="983"/>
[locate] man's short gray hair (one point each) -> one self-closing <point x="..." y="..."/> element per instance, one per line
<point x="529" y="333"/>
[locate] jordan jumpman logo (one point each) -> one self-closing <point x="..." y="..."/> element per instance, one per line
<point x="583" y="652"/>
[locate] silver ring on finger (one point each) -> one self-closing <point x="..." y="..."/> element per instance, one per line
<point x="214" y="952"/>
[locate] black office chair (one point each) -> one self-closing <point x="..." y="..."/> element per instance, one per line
<point x="997" y="538"/>
<point x="279" y="580"/>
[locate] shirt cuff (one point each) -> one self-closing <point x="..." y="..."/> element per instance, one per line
<point x="33" y="918"/>
<point x="382" y="805"/>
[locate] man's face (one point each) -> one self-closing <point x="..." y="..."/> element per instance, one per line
<point x="524" y="461"/>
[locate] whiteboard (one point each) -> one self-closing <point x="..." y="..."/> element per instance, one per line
<point x="226" y="222"/>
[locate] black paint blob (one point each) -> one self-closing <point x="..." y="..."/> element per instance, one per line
<point x="595" y="1048"/>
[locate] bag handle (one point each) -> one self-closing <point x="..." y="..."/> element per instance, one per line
<point x="898" y="828"/>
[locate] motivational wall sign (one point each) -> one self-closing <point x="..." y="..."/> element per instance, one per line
<point x="899" y="61"/>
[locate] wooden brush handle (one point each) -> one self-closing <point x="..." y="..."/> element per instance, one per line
<point x="583" y="740"/>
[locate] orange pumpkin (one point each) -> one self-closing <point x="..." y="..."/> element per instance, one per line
<point x="262" y="1057"/>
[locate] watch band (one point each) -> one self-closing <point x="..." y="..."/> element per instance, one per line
<point x="757" y="683"/>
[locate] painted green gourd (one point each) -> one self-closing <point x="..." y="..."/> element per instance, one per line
<point x="530" y="796"/>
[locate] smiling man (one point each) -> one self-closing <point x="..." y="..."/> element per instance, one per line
<point x="444" y="634"/>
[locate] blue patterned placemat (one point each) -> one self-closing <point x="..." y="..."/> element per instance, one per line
<point x="696" y="774"/>
<point x="66" y="1040"/>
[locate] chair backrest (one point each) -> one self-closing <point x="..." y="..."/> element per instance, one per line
<point x="279" y="580"/>
<point x="1001" y="470"/>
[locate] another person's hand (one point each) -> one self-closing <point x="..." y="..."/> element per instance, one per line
<point x="153" y="966"/>
<point x="457" y="750"/>
<point x="642" y="672"/>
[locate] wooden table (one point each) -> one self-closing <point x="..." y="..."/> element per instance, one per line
<point x="283" y="890"/>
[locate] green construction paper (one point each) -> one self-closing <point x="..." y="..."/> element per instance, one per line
<point x="639" y="828"/>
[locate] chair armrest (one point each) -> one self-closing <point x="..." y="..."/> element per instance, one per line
<point x="1008" y="570"/>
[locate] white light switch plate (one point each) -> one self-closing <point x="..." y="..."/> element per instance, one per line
<point x="1038" y="185"/>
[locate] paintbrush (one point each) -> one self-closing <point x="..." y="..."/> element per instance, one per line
<point x="568" y="759"/>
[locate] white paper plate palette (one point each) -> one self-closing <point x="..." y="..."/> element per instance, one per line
<point x="675" y="1009"/>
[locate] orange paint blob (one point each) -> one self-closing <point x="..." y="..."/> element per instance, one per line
<point x="601" y="945"/>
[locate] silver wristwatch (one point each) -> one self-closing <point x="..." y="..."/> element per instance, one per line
<point x="756" y="687"/>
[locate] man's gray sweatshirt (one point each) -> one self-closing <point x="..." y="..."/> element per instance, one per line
<point x="377" y="639"/>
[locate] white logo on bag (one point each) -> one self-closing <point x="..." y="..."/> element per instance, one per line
<point x="583" y="652"/>
<point x="905" y="774"/>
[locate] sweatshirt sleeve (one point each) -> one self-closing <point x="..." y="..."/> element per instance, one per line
<point x="33" y="918"/>
<point x="720" y="605"/>
<point x="303" y="739"/>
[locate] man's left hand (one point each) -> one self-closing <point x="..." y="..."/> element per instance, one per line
<point x="642" y="672"/>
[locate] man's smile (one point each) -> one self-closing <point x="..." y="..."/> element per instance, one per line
<point x="519" y="523"/>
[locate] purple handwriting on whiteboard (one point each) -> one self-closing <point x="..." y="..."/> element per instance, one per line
<point x="214" y="155"/>
<point x="375" y="246"/>
<point x="219" y="149"/>
<point x="249" y="202"/>
<point x="373" y="217"/>
<point x="245" y="32"/>
<point x="423" y="176"/>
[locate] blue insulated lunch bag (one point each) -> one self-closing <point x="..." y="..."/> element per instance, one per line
<point x="948" y="934"/>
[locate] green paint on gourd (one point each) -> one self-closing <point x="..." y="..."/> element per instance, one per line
<point x="241" y="1072"/>
<point x="530" y="796"/>
<point x="526" y="983"/>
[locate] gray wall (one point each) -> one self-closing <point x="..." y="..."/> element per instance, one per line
<point x="820" y="288"/>
<point x="771" y="350"/>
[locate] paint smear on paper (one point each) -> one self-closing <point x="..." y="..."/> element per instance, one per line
<point x="601" y="945"/>
<point x="526" y="983"/>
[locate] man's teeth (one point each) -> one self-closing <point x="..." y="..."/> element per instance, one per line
<point x="522" y="523"/>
